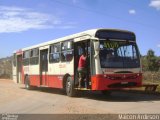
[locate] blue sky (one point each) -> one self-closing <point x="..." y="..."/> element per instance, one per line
<point x="28" y="22"/>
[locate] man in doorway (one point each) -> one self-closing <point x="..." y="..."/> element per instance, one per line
<point x="82" y="67"/>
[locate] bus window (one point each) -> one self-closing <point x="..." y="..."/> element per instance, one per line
<point x="34" y="52"/>
<point x="54" y="55"/>
<point x="26" y="56"/>
<point x="34" y="56"/>
<point x="116" y="54"/>
<point x="67" y="51"/>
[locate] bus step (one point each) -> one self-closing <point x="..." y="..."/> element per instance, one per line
<point x="82" y="89"/>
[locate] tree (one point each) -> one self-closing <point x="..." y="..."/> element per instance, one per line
<point x="152" y="64"/>
<point x="144" y="63"/>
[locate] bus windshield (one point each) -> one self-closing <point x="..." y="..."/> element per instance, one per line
<point x="119" y="54"/>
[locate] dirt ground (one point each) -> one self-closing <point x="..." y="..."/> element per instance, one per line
<point x="15" y="99"/>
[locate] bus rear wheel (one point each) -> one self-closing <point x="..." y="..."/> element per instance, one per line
<point x="27" y="83"/>
<point x="70" y="91"/>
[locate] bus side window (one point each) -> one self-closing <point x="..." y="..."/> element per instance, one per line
<point x="54" y="55"/>
<point x="26" y="56"/>
<point x="67" y="51"/>
<point x="34" y="59"/>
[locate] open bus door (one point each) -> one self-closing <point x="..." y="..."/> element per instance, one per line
<point x="78" y="46"/>
<point x="43" y="66"/>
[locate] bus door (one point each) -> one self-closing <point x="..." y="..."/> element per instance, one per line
<point x="78" y="47"/>
<point x="19" y="68"/>
<point x="43" y="66"/>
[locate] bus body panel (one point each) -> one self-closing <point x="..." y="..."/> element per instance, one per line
<point x="53" y="68"/>
<point x="33" y="72"/>
<point x="54" y="81"/>
<point x="34" y="80"/>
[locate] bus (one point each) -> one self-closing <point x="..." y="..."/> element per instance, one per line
<point x="113" y="62"/>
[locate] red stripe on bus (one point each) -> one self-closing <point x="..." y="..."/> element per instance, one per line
<point x="54" y="81"/>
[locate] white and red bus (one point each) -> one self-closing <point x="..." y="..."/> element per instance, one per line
<point x="113" y="62"/>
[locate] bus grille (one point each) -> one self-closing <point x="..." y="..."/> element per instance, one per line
<point x="121" y="77"/>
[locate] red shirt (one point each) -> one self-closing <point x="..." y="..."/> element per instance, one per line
<point x="82" y="62"/>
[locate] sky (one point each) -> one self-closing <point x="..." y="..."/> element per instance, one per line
<point x="24" y="23"/>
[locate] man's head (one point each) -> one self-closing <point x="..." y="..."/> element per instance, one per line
<point x="84" y="52"/>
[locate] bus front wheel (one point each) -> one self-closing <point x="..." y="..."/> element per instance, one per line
<point x="70" y="91"/>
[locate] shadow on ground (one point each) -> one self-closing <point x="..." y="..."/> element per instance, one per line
<point x="115" y="96"/>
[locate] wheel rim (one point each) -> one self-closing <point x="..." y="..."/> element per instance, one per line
<point x="27" y="83"/>
<point x="27" y="86"/>
<point x="68" y="86"/>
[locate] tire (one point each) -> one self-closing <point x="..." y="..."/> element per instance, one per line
<point x="27" y="83"/>
<point x="70" y="91"/>
<point x="106" y="92"/>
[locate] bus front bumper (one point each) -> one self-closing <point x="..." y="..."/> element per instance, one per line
<point x="114" y="82"/>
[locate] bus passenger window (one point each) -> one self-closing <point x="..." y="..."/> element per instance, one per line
<point x="26" y="56"/>
<point x="67" y="55"/>
<point x="54" y="55"/>
<point x="67" y="51"/>
<point x="34" y="59"/>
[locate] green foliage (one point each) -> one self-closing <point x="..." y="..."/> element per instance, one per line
<point x="150" y="62"/>
<point x="144" y="63"/>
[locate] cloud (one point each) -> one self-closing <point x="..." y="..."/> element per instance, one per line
<point x="155" y="4"/>
<point x="158" y="45"/>
<point x="132" y="11"/>
<point x="15" y="19"/>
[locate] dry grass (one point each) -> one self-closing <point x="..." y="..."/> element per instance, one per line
<point x="6" y="67"/>
<point x="152" y="77"/>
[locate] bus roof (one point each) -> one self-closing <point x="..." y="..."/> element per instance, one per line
<point x="90" y="33"/>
